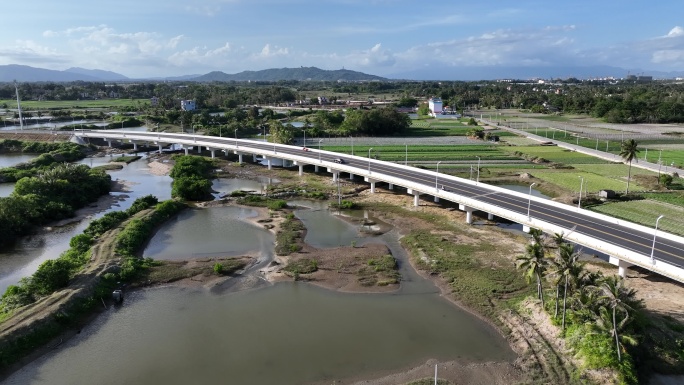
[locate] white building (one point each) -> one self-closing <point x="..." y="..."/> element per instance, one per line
<point x="188" y="105"/>
<point x="435" y="106"/>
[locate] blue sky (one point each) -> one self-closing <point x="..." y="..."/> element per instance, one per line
<point x="146" y="38"/>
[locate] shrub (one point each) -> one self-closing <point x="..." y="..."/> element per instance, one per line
<point x="218" y="268"/>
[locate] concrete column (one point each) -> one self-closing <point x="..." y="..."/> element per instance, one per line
<point x="372" y="187"/>
<point x="416" y="199"/>
<point x="135" y="146"/>
<point x="109" y="143"/>
<point x="490" y="216"/>
<point x="622" y="268"/>
<point x="436" y="199"/>
<point x="199" y="149"/>
<point x="160" y="148"/>
<point x="469" y="213"/>
<point x="526" y="229"/>
<point x="240" y="158"/>
<point x="254" y="158"/>
<point x="213" y="153"/>
<point x="315" y="168"/>
<point x="391" y="187"/>
<point x="301" y="169"/>
<point x="336" y="175"/>
<point x="268" y="162"/>
<point x="186" y="150"/>
<point x="351" y="176"/>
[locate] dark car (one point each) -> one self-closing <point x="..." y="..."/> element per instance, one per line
<point x="338" y="160"/>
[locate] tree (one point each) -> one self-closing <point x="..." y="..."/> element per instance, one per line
<point x="629" y="152"/>
<point x="619" y="300"/>
<point x="566" y="266"/>
<point x="534" y="263"/>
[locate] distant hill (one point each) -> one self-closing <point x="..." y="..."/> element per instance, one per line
<point x="301" y="73"/>
<point x="22" y="73"/>
<point x="99" y="74"/>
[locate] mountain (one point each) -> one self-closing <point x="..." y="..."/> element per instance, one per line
<point x="22" y="73"/>
<point x="301" y="73"/>
<point x="99" y="74"/>
<point x="524" y="73"/>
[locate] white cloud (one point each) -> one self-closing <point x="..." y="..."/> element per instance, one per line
<point x="30" y="52"/>
<point x="676" y="31"/>
<point x="269" y="51"/>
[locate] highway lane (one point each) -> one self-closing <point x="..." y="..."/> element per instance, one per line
<point x="567" y="218"/>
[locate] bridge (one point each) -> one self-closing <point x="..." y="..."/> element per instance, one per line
<point x="627" y="244"/>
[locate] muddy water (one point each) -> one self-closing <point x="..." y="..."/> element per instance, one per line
<point x="213" y="232"/>
<point x="289" y="333"/>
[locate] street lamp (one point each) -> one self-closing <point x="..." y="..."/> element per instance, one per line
<point x="236" y="142"/>
<point x="352" y="142"/>
<point x="304" y="137"/>
<point x="529" y="201"/>
<point x="406" y="155"/>
<point x="319" y="150"/>
<point x="478" y="170"/>
<point x="579" y="201"/>
<point x="437" y="174"/>
<point x="369" y="151"/>
<point x="654" y="239"/>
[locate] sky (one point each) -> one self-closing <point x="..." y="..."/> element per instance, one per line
<point x="153" y="38"/>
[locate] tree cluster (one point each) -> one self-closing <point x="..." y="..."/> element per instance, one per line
<point x="191" y="178"/>
<point x="52" y="194"/>
<point x="599" y="316"/>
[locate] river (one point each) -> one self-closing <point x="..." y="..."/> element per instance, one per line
<point x="287" y="333"/>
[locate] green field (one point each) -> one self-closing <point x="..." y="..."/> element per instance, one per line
<point x="570" y="180"/>
<point x="556" y="154"/>
<point x="75" y="104"/>
<point x="398" y="153"/>
<point x="645" y="212"/>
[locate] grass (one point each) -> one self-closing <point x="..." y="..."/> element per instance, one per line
<point x="421" y="153"/>
<point x="289" y="238"/>
<point x="645" y="212"/>
<point x="126" y="158"/>
<point x="75" y="104"/>
<point x="556" y="154"/>
<point x="380" y="271"/>
<point x="170" y="271"/>
<point x="481" y="288"/>
<point x="569" y="180"/>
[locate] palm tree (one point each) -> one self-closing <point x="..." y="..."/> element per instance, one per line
<point x="566" y="266"/>
<point x="534" y="263"/>
<point x="604" y="325"/>
<point x="618" y="299"/>
<point x="628" y="152"/>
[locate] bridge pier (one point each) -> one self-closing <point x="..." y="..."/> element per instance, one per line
<point x="372" y="183"/>
<point x="301" y="169"/>
<point x="335" y="176"/>
<point x="351" y="176"/>
<point x="187" y="149"/>
<point x="490" y="216"/>
<point x="213" y="152"/>
<point x="268" y="162"/>
<point x="135" y="146"/>
<point x="199" y="149"/>
<point x="526" y="229"/>
<point x="109" y="143"/>
<point x="391" y="186"/>
<point x="160" y="148"/>
<point x="416" y="196"/>
<point x="316" y="168"/>
<point x="469" y="213"/>
<point x="622" y="266"/>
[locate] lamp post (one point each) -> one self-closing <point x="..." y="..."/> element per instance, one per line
<point x="437" y="175"/>
<point x="304" y="137"/>
<point x="579" y="201"/>
<point x="236" y="142"/>
<point x="478" y="170"/>
<point x="406" y="155"/>
<point x="319" y="150"/>
<point x="352" y="142"/>
<point x="654" y="239"/>
<point x="369" y="151"/>
<point x="529" y="201"/>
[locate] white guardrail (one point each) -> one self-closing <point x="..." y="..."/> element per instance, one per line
<point x="629" y="256"/>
